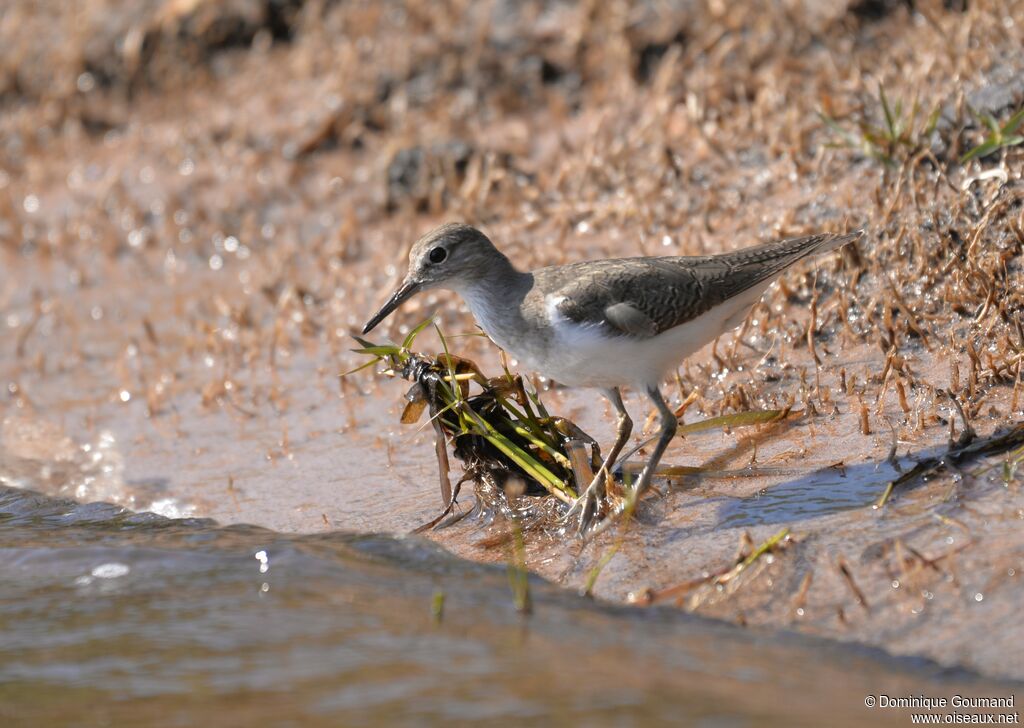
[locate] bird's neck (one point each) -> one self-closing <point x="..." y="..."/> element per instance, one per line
<point x="495" y="296"/>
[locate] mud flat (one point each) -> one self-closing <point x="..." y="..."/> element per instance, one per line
<point x="200" y="205"/>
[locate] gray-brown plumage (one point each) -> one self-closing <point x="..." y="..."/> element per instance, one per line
<point x="645" y="296"/>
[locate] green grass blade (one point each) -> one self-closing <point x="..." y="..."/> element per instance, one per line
<point x="1014" y="121"/>
<point x="362" y="342"/>
<point x="982" y="150"/>
<point x="360" y="368"/>
<point x="456" y="391"/>
<point x="381" y="351"/>
<point x="473" y="422"/>
<point x="520" y="457"/>
<point x="407" y="342"/>
<point x="848" y="139"/>
<point x="526" y="419"/>
<point x="537" y="442"/>
<point x="551" y="482"/>
<point x="535" y="398"/>
<point x="740" y="419"/>
<point x="890" y="122"/>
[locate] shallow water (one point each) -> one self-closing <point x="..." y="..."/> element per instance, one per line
<point x="817" y="493"/>
<point x="111" y="615"/>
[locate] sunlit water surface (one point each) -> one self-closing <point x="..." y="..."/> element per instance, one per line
<point x="111" y="616"/>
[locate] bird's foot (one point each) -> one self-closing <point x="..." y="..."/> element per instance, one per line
<point x="585" y="507"/>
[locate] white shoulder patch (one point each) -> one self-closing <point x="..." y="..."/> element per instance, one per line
<point x="551" y="304"/>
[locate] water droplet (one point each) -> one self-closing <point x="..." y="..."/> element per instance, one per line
<point x="895" y="583"/>
<point x="110" y="571"/>
<point x="31" y="204"/>
<point x="978" y="597"/>
<point x="86" y="82"/>
<point x="216" y="262"/>
<point x="125" y="395"/>
<point x="186" y="167"/>
<point x="171" y="508"/>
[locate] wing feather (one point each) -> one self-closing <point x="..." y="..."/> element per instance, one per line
<point x="642" y="297"/>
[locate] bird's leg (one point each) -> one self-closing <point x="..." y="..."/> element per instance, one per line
<point x="669" y="425"/>
<point x="588" y="501"/>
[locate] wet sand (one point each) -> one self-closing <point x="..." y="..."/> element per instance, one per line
<point x="190" y="232"/>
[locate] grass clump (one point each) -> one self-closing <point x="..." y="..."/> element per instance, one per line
<point x="501" y="431"/>
<point x="903" y="132"/>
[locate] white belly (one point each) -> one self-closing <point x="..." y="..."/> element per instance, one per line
<point x="587" y="356"/>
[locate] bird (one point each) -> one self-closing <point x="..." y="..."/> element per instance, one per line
<point x="607" y="323"/>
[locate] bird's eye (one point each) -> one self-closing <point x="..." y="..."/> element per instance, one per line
<point x="437" y="255"/>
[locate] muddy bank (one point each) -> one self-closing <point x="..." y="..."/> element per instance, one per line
<point x="185" y="255"/>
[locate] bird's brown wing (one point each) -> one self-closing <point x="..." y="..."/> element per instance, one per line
<point x="642" y="297"/>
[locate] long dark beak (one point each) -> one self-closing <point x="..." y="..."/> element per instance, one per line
<point x="404" y="292"/>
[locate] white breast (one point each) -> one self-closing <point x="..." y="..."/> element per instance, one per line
<point x="587" y="355"/>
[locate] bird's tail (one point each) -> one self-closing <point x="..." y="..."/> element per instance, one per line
<point x="780" y="254"/>
<point x="834" y="242"/>
<point x="756" y="267"/>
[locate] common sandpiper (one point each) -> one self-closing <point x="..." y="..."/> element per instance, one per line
<point x="603" y="323"/>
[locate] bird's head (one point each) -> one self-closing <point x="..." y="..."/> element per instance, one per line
<point x="450" y="257"/>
